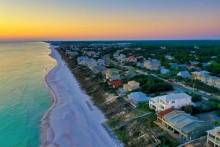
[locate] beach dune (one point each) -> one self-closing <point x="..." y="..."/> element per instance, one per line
<point x="71" y="122"/>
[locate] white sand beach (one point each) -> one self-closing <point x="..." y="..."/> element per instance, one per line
<point x="71" y="121"/>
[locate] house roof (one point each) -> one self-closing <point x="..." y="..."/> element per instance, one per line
<point x="215" y="131"/>
<point x="183" y="121"/>
<point x="138" y="96"/>
<point x="172" y="96"/>
<point x="162" y="113"/>
<point x="184" y="74"/>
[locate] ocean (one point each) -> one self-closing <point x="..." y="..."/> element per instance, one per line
<point x="24" y="97"/>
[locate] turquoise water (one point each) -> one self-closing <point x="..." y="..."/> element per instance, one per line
<point x="24" y="97"/>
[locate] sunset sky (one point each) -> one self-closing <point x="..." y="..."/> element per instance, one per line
<point x="109" y="19"/>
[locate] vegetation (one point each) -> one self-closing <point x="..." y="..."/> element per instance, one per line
<point x="202" y="86"/>
<point x="196" y="97"/>
<point x="151" y="84"/>
<point x="214" y="68"/>
<point x="144" y="107"/>
<point x="166" y="141"/>
<point x="209" y="106"/>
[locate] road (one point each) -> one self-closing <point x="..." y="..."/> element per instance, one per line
<point x="177" y="86"/>
<point x="182" y="87"/>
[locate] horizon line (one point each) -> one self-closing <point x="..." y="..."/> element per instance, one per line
<point x="109" y="40"/>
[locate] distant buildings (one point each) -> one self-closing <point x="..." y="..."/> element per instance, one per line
<point x="168" y="57"/>
<point x="112" y="74"/>
<point x="204" y="77"/>
<point x="98" y="69"/>
<point x="201" y="76"/>
<point x="131" y="85"/>
<point x="214" y="81"/>
<point x="130" y="73"/>
<point x="91" y="53"/>
<point x="164" y="70"/>
<point x="137" y="97"/>
<point x="140" y="64"/>
<point x="101" y="62"/>
<point x="120" y="57"/>
<point x="83" y="60"/>
<point x="132" y="59"/>
<point x="152" y="64"/>
<point x="163" y="47"/>
<point x="184" y="74"/>
<point x="71" y="53"/>
<point x="181" y="124"/>
<point x="115" y="83"/>
<point x="213" y="137"/>
<point x="174" y="100"/>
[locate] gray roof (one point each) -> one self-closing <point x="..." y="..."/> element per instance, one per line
<point x="183" y="121"/>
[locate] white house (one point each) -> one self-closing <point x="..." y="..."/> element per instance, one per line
<point x="174" y="100"/>
<point x="131" y="85"/>
<point x="213" y="137"/>
<point x="152" y="64"/>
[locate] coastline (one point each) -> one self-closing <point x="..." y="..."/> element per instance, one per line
<point x="94" y="131"/>
<point x="45" y="125"/>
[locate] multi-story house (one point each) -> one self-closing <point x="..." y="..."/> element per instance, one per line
<point x="174" y="100"/>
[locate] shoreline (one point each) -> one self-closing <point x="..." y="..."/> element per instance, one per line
<point x="49" y="133"/>
<point x="45" y="125"/>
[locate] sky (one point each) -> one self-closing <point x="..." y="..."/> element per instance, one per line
<point x="109" y="19"/>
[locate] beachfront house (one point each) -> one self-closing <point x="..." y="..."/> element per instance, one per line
<point x="184" y="74"/>
<point x="137" y="97"/>
<point x="213" y="137"/>
<point x="182" y="125"/>
<point x="131" y="86"/>
<point x="152" y="64"/>
<point x="173" y="100"/>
